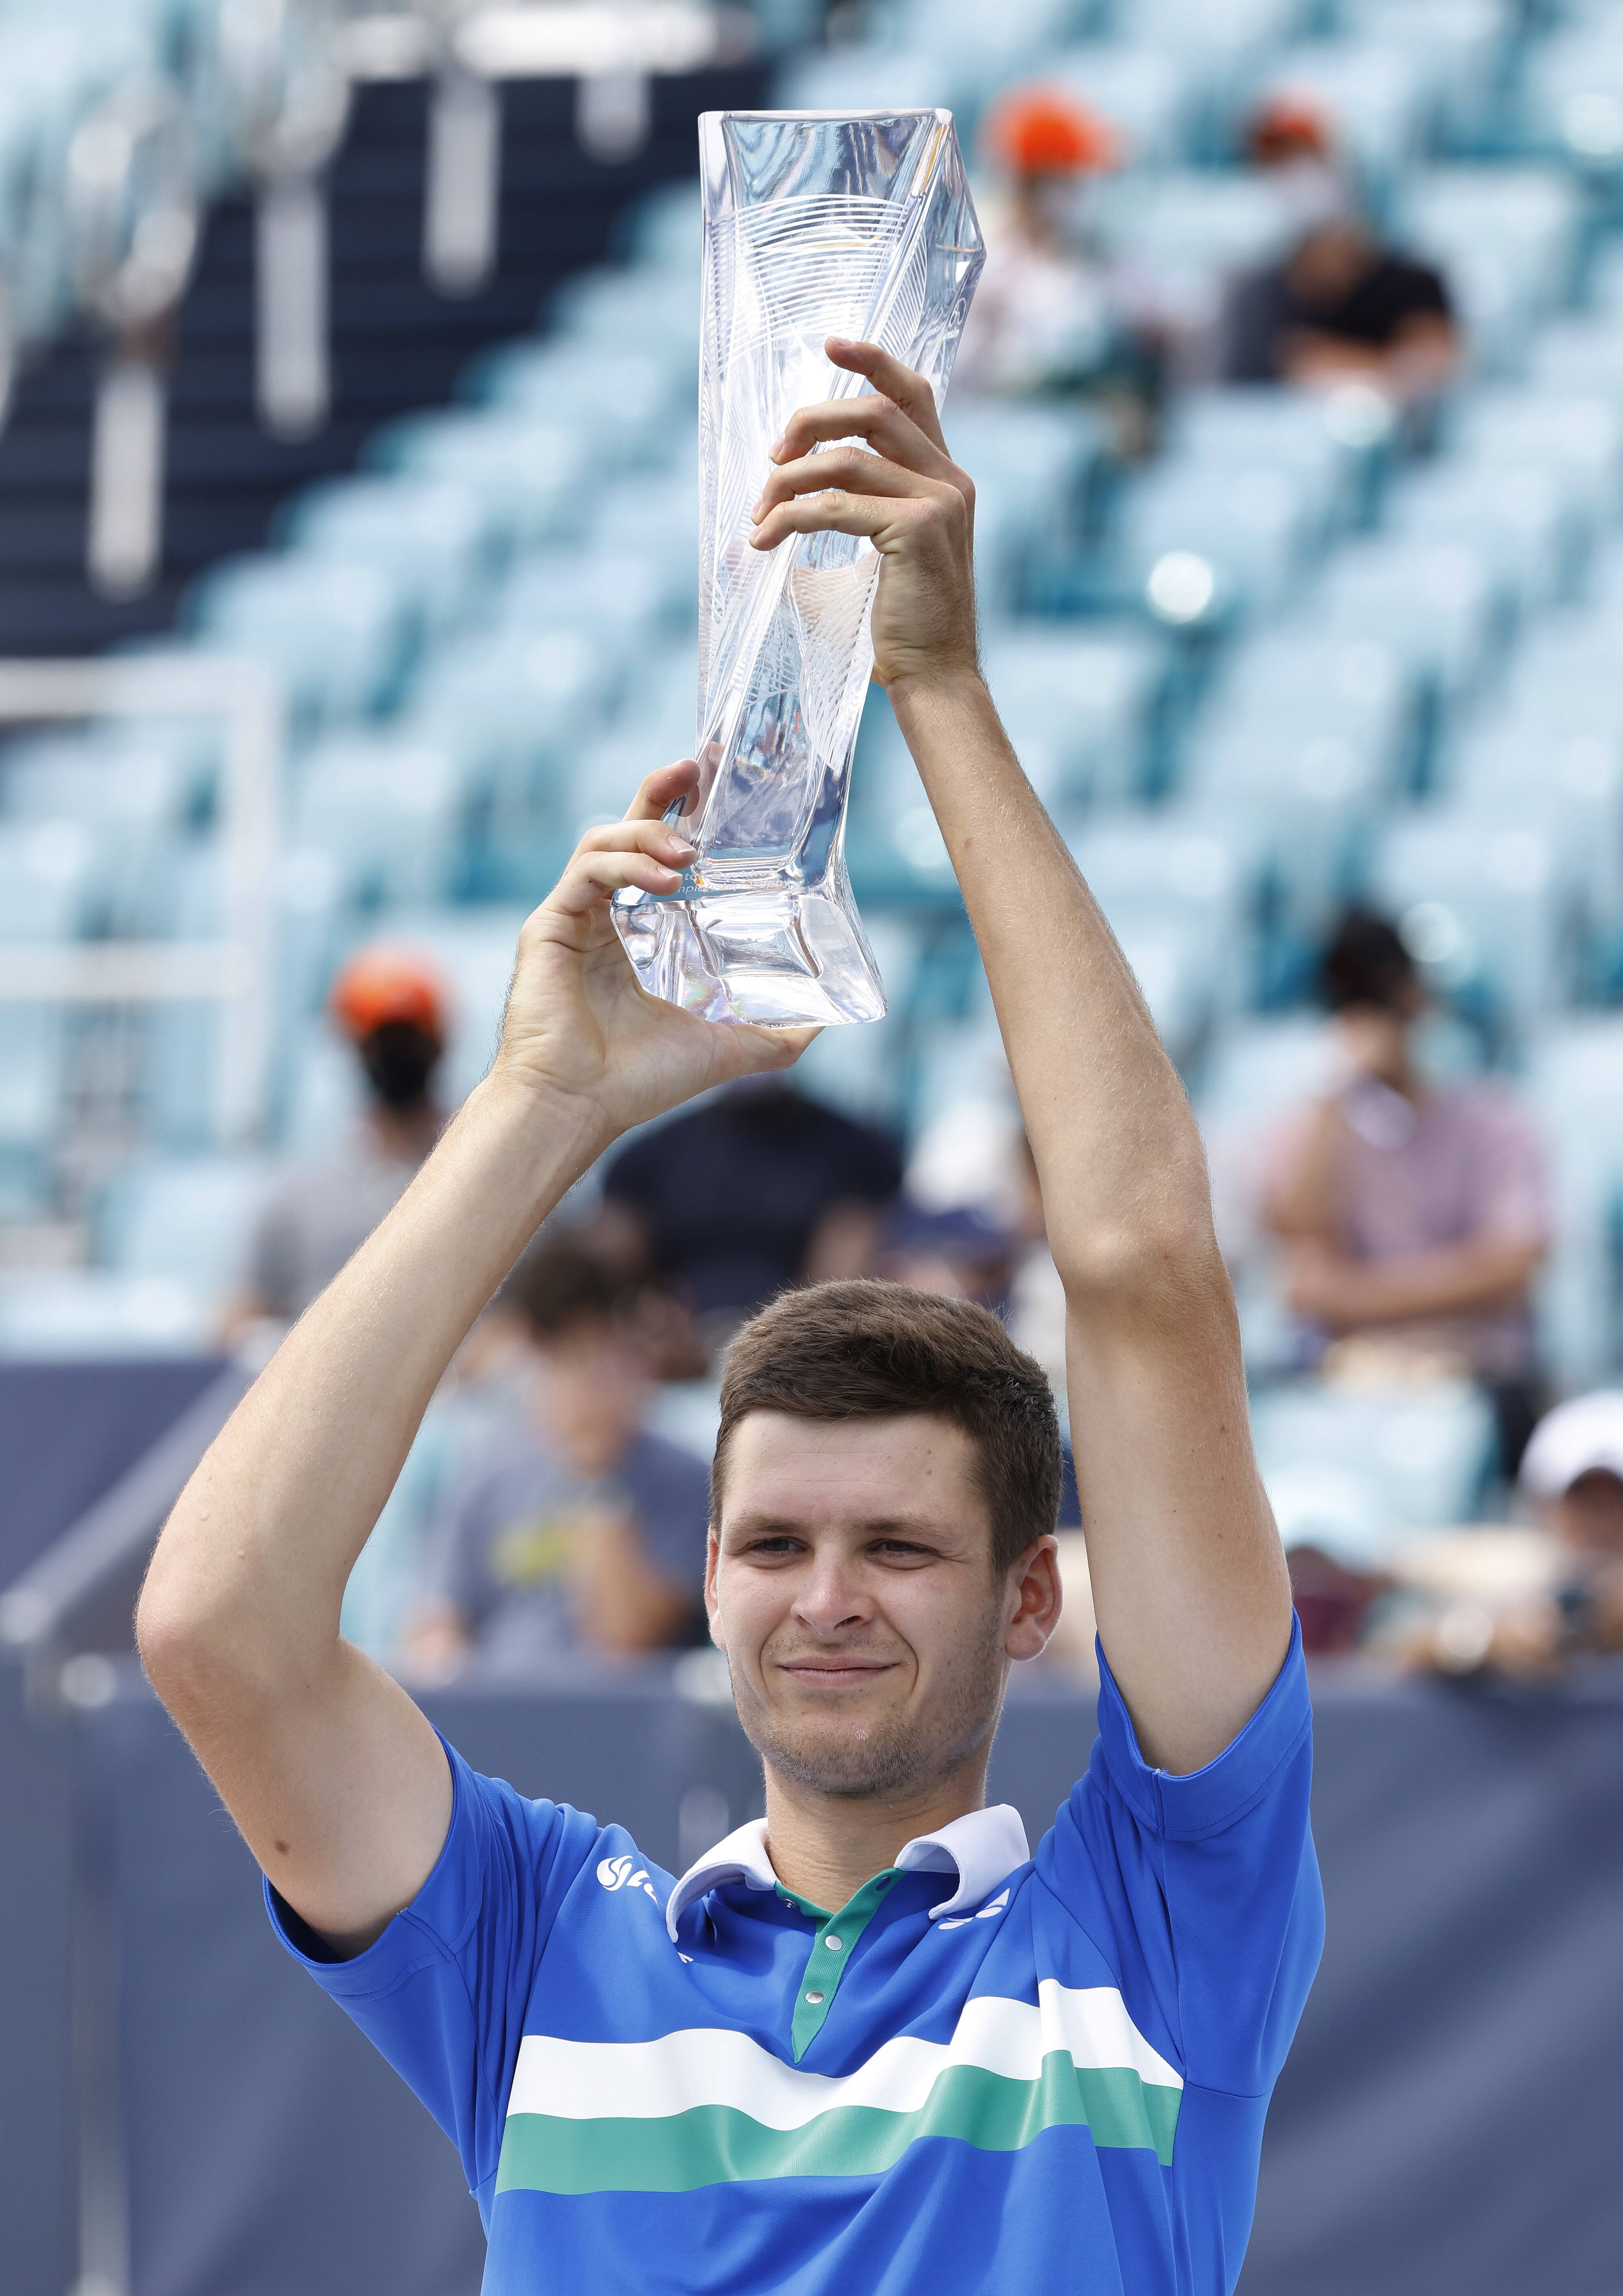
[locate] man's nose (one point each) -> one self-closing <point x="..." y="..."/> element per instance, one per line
<point x="830" y="1596"/>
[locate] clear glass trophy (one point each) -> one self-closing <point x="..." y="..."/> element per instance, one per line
<point x="813" y="225"/>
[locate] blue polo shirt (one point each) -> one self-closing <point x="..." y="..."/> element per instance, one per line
<point x="985" y="2069"/>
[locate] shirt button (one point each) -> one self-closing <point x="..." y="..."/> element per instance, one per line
<point x="833" y="1944"/>
<point x="816" y="2000"/>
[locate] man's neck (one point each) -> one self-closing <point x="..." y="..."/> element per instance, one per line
<point x="824" y="1847"/>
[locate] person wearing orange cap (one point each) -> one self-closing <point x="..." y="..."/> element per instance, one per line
<point x="390" y="1004"/>
<point x="1337" y="307"/>
<point x="1050" y="314"/>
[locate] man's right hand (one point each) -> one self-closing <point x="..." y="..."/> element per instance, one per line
<point x="580" y="1025"/>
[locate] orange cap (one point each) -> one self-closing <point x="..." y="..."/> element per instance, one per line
<point x="1289" y="126"/>
<point x="382" y="983"/>
<point x="1043" y="131"/>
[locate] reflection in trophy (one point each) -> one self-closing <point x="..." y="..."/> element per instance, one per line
<point x="815" y="226"/>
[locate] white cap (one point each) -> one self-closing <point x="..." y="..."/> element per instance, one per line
<point x="1573" y="1440"/>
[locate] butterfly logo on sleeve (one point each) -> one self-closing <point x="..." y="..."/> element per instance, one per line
<point x="989" y="1912"/>
<point x="625" y="1873"/>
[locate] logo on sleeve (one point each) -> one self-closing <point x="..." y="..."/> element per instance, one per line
<point x="989" y="1912"/>
<point x="625" y="1873"/>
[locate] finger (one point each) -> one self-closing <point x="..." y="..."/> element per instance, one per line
<point x="879" y="517"/>
<point x="878" y="419"/>
<point x="851" y="467"/>
<point x="659" y="839"/>
<point x="749" y="1049"/>
<point x="662" y="789"/>
<point x="888" y="375"/>
<point x="592" y="878"/>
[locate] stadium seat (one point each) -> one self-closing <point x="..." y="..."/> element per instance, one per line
<point x="513" y="706"/>
<point x="1079" y="704"/>
<point x="336" y="636"/>
<point x="1150" y="95"/>
<point x="630" y="308"/>
<point x="1523" y="520"/>
<point x="1356" y="689"/>
<point x="431" y="537"/>
<point x="1579" y="357"/>
<point x="1462" y="43"/>
<point x="1577" y="438"/>
<point x="1507" y="240"/>
<point x="530" y="476"/>
<point x="1428" y="1451"/>
<point x="1483" y="904"/>
<point x="190" y="1219"/>
<point x="1520" y="770"/>
<point x="1301" y="433"/>
<point x="1180" y="898"/>
<point x="1568" y="94"/>
<point x="46" y="877"/>
<point x="89" y="1315"/>
<point x="1433" y="603"/>
<point x="1574" y="1084"/>
<point x="1301" y="793"/>
<point x="1187" y="230"/>
<point x="392" y="808"/>
<point x="617" y="405"/>
<point x="870" y="78"/>
<point x="1253" y="527"/>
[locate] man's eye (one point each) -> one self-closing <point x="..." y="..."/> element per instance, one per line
<point x="782" y="1544"/>
<point x="901" y="1549"/>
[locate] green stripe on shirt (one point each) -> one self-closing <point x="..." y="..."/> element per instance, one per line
<point x="718" y="2144"/>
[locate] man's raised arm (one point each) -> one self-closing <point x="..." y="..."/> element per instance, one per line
<point x="1189" y="1580"/>
<point x="337" y="1781"/>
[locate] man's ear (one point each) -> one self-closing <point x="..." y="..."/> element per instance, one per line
<point x="712" y="1607"/>
<point x="1038" y="1599"/>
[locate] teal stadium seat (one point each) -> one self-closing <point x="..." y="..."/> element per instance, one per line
<point x="1506" y="238"/>
<point x="337" y="635"/>
<point x="391" y="807"/>
<point x="1519" y="518"/>
<point x="431" y="537"/>
<point x="1425" y="1453"/>
<point x="1484" y="905"/>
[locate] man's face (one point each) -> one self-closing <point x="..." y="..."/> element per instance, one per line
<point x="590" y="1393"/>
<point x="850" y="1587"/>
<point x="1589" y="1516"/>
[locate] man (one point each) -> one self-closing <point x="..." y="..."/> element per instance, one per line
<point x="390" y="1004"/>
<point x="867" y="2044"/>
<point x="580" y="1528"/>
<point x="761" y="1188"/>
<point x="1415" y="1217"/>
<point x="1338" y="307"/>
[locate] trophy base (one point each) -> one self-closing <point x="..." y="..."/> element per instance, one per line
<point x="784" y="956"/>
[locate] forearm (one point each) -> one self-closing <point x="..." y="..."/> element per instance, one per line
<point x="1456" y="1279"/>
<point x="252" y="1567"/>
<point x="1116" y="1146"/>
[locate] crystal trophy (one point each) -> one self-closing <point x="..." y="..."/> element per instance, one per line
<point x="815" y="226"/>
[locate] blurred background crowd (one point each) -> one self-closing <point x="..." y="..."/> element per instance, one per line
<point x="348" y="570"/>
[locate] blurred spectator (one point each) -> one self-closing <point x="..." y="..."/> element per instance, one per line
<point x="1519" y="1603"/>
<point x="1416" y="1217"/>
<point x="758" y="1189"/>
<point x="1051" y="313"/>
<point x="1339" y="306"/>
<point x="961" y="1253"/>
<point x="579" y="1528"/>
<point x="390" y="1004"/>
<point x="483" y="1400"/>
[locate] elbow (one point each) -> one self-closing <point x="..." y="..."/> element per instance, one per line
<point x="1174" y="1259"/>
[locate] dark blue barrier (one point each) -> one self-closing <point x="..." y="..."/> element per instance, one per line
<point x="1448" y="2120"/>
<point x="68" y="1431"/>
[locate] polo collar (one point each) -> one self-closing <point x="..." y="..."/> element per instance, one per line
<point x="981" y="1848"/>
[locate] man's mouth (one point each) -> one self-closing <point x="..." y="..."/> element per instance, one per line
<point x="841" y="1671"/>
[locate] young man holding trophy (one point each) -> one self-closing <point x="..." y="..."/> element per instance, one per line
<point x="869" y="2043"/>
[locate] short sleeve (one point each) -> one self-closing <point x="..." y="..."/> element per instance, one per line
<point x="453" y="1551"/>
<point x="1513" y="1197"/>
<point x="867" y="1164"/>
<point x="442" y="1993"/>
<point x="1202" y="1890"/>
<point x="272" y="1256"/>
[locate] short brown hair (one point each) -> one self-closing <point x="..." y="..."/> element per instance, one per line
<point x="868" y="1350"/>
<point x="560" y="1283"/>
